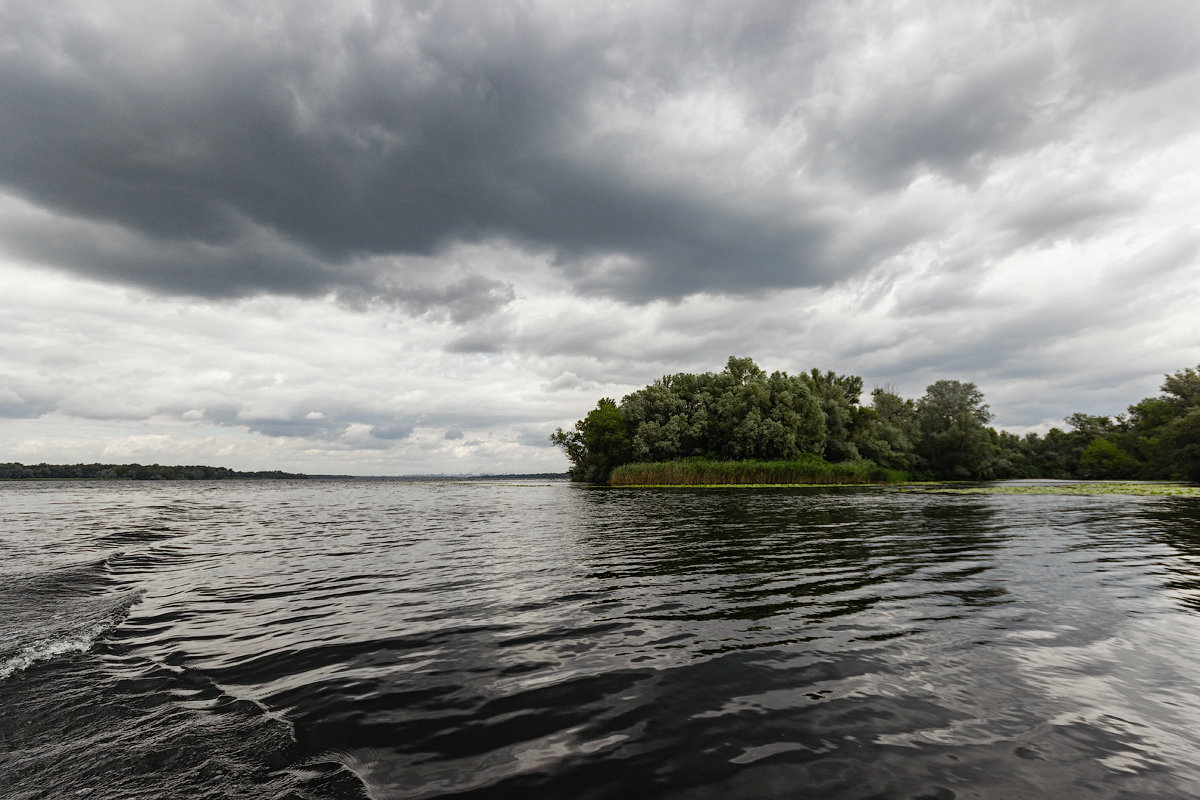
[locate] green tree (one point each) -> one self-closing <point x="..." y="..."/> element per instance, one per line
<point x="1182" y="389"/>
<point x="894" y="435"/>
<point x="955" y="441"/>
<point x="1015" y="459"/>
<point x="799" y="423"/>
<point x="1160" y="431"/>
<point x="599" y="443"/>
<point x="1055" y="455"/>
<point x="738" y="413"/>
<point x="669" y="418"/>
<point x="756" y="416"/>
<point x="1179" y="443"/>
<point x="838" y="396"/>
<point x="1108" y="460"/>
<point x="1090" y="426"/>
<point x="1103" y="459"/>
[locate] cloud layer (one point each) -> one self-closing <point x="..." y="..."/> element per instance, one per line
<point x="520" y="206"/>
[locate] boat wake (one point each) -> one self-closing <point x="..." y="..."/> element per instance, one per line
<point x="58" y="611"/>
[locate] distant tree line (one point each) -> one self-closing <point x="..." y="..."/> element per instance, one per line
<point x="136" y="472"/>
<point x="742" y="413"/>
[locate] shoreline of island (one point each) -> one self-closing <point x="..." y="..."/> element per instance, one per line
<point x="743" y="426"/>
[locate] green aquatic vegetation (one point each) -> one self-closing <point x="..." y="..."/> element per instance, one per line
<point x="1136" y="488"/>
<point x="807" y="471"/>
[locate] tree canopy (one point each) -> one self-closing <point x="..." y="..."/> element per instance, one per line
<point x="742" y="413"/>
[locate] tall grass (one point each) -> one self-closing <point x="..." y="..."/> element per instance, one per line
<point x="702" y="472"/>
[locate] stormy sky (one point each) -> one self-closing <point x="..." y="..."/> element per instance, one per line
<point x="407" y="237"/>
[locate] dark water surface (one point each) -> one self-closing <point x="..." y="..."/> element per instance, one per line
<point x="343" y="639"/>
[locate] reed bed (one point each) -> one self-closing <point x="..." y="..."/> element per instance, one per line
<point x="1087" y="488"/>
<point x="701" y="472"/>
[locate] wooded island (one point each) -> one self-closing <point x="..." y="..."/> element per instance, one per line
<point x="744" y="426"/>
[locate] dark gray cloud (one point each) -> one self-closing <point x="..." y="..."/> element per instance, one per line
<point x="225" y="150"/>
<point x="19" y="400"/>
<point x="952" y="124"/>
<point x="392" y="432"/>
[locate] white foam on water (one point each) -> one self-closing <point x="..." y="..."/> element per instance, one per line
<point x="44" y="651"/>
<point x="64" y="642"/>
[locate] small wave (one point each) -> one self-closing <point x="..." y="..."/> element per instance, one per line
<point x="79" y="577"/>
<point x="62" y="642"/>
<point x="44" y="651"/>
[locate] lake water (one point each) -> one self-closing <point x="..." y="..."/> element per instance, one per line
<point x="385" y="639"/>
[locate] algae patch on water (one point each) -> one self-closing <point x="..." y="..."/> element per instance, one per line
<point x="1138" y="488"/>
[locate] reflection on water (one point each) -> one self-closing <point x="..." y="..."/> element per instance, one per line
<point x="394" y="640"/>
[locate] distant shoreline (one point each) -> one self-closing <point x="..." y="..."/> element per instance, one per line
<point x="14" y="471"/>
<point x="465" y="478"/>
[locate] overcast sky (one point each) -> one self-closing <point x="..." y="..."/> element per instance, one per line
<point x="385" y="238"/>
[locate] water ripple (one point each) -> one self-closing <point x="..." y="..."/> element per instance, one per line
<point x="335" y="638"/>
